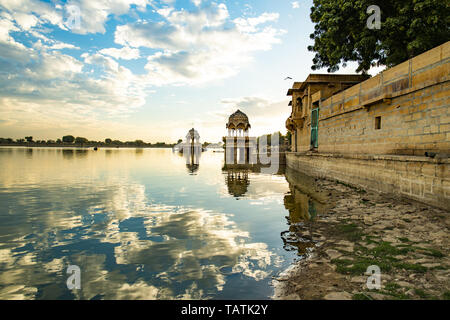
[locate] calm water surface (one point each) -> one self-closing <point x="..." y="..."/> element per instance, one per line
<point x="141" y="224"/>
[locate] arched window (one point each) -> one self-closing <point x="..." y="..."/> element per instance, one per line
<point x="299" y="104"/>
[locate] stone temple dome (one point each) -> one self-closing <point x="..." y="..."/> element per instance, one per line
<point x="192" y="135"/>
<point x="238" y="121"/>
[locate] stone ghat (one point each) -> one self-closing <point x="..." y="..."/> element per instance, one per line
<point x="409" y="241"/>
<point x="419" y="178"/>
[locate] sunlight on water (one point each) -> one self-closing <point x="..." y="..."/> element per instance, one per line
<point x="140" y="224"/>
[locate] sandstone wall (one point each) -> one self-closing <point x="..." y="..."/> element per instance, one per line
<point x="412" y="101"/>
<point x="423" y="179"/>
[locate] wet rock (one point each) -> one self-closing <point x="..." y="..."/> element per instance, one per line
<point x="376" y="296"/>
<point x="404" y="284"/>
<point x="359" y="279"/>
<point x="431" y="265"/>
<point x="333" y="254"/>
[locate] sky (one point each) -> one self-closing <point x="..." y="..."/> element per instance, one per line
<point x="149" y="69"/>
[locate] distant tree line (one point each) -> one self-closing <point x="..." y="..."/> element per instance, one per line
<point x="70" y="140"/>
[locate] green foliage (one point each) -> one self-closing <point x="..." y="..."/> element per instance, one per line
<point x="29" y="139"/>
<point x="421" y="293"/>
<point x="108" y="141"/>
<point x="350" y="232"/>
<point x="360" y="296"/>
<point x="68" y="139"/>
<point x="408" y="28"/>
<point x="81" y="140"/>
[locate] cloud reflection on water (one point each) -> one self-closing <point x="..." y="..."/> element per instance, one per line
<point x="127" y="246"/>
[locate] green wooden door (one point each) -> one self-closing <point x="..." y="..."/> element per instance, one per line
<point x="315" y="128"/>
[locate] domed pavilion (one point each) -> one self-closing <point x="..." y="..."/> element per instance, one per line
<point x="192" y="136"/>
<point x="238" y="125"/>
<point x="240" y="148"/>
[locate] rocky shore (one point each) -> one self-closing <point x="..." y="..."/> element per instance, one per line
<point x="408" y="240"/>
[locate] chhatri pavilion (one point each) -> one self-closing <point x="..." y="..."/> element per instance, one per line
<point x="238" y="125"/>
<point x="240" y="148"/>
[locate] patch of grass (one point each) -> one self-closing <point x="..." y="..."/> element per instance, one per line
<point x="350" y="232"/>
<point x="359" y="265"/>
<point x="404" y="239"/>
<point x="392" y="286"/>
<point x="432" y="252"/>
<point x="385" y="249"/>
<point x="422" y="294"/>
<point x="370" y="239"/>
<point x="446" y="295"/>
<point x="411" y="267"/>
<point x="360" y="296"/>
<point x="393" y="289"/>
<point x="439" y="268"/>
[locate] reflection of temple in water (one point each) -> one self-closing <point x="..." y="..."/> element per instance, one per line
<point x="237" y="182"/>
<point x="192" y="150"/>
<point x="237" y="177"/>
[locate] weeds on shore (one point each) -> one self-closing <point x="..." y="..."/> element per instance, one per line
<point x="372" y="250"/>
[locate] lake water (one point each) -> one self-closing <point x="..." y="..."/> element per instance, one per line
<point x="141" y="224"/>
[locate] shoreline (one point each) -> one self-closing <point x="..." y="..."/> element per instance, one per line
<point x="84" y="147"/>
<point x="408" y="240"/>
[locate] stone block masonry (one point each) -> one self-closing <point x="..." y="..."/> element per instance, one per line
<point x="404" y="110"/>
<point x="375" y="134"/>
<point x="423" y="179"/>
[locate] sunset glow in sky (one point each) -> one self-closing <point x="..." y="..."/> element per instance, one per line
<point x="147" y="69"/>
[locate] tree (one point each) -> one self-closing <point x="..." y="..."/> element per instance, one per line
<point x="180" y="141"/>
<point x="68" y="139"/>
<point x="81" y="140"/>
<point x="408" y="28"/>
<point x="108" y="141"/>
<point x="29" y="139"/>
<point x="139" y="143"/>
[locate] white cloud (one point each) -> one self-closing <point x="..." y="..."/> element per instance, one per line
<point x="41" y="85"/>
<point x="199" y="46"/>
<point x="26" y="21"/>
<point x="124" y="53"/>
<point x="93" y="14"/>
<point x="295" y="5"/>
